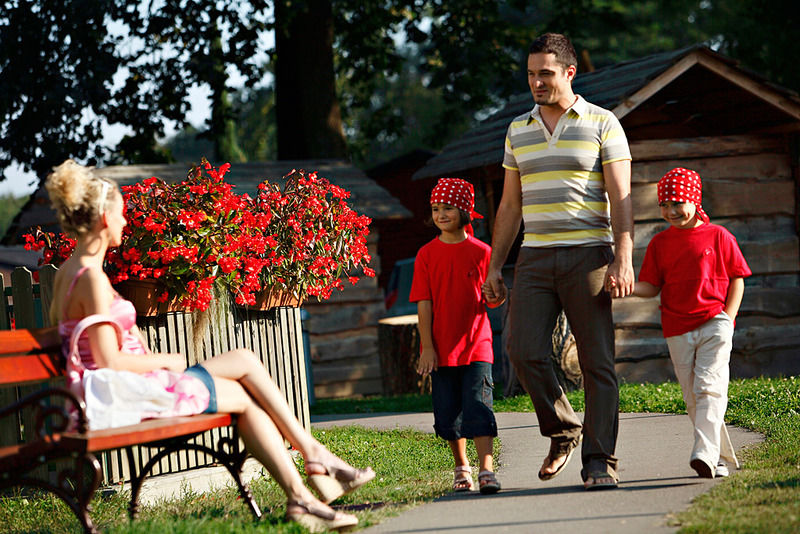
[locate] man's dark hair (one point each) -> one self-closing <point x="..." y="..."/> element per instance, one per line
<point x="557" y="44"/>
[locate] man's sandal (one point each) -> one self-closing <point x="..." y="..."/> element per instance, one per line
<point x="598" y="480"/>
<point x="488" y="483"/>
<point x="559" y="450"/>
<point x="462" y="478"/>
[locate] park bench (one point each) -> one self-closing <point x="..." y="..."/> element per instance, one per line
<point x="34" y="356"/>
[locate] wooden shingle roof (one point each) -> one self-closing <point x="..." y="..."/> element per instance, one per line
<point x="708" y="89"/>
<point x="367" y="197"/>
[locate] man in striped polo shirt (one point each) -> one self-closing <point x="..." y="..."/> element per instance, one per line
<point x="567" y="178"/>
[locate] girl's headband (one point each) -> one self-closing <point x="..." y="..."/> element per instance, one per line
<point x="101" y="204"/>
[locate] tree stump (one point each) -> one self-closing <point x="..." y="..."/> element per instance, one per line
<point x="398" y="345"/>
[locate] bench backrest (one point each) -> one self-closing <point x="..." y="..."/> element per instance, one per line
<point x="28" y="356"/>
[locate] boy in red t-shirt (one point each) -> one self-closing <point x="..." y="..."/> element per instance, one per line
<point x="699" y="271"/>
<point x="455" y="334"/>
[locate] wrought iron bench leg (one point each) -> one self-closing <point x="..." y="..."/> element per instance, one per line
<point x="71" y="487"/>
<point x="233" y="462"/>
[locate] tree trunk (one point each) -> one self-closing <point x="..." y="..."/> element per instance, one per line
<point x="308" y="115"/>
<point x="221" y="128"/>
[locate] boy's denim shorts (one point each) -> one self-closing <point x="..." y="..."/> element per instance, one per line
<point x="462" y="401"/>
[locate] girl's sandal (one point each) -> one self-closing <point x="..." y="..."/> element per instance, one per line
<point x="335" y="482"/>
<point x="462" y="478"/>
<point x="318" y="519"/>
<point x="488" y="483"/>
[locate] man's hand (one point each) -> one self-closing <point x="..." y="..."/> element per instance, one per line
<point x="619" y="279"/>
<point x="494" y="289"/>
<point x="428" y="361"/>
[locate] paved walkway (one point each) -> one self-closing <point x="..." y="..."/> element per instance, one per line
<point x="655" y="480"/>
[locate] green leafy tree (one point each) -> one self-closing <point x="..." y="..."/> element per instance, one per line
<point x="338" y="66"/>
<point x="182" y="43"/>
<point x="53" y="73"/>
<point x="762" y="35"/>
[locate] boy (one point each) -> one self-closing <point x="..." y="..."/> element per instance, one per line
<point x="699" y="271"/>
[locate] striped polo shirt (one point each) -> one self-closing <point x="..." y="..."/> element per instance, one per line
<point x="564" y="200"/>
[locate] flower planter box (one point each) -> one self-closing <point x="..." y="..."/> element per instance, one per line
<point x="144" y="294"/>
<point x="266" y="300"/>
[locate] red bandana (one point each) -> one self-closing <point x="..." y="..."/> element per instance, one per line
<point x="682" y="185"/>
<point x="455" y="192"/>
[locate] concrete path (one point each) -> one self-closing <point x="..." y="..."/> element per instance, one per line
<point x="655" y="480"/>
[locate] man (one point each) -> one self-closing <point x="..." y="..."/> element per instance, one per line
<point x="566" y="163"/>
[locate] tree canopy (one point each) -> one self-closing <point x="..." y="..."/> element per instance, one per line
<point x="350" y="77"/>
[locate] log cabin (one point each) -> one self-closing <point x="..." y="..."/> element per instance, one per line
<point x="701" y="110"/>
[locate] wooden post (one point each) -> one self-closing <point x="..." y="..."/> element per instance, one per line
<point x="9" y="426"/>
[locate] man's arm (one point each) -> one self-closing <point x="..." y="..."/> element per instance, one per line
<point x="506" y="227"/>
<point x="617" y="177"/>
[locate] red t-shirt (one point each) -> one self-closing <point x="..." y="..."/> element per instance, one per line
<point x="450" y="276"/>
<point x="693" y="267"/>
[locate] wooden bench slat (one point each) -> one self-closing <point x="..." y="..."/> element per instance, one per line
<point x="148" y="431"/>
<point x="21" y="369"/>
<point x="30" y="356"/>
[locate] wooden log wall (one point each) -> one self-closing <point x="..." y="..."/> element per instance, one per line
<point x="343" y="337"/>
<point x="749" y="186"/>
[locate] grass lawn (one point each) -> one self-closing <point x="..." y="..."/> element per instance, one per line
<point x="763" y="497"/>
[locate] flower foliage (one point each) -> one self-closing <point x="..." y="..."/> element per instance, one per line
<point x="199" y="234"/>
<point x="302" y="239"/>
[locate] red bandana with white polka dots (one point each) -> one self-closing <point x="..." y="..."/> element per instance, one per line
<point x="682" y="185"/>
<point x="455" y="192"/>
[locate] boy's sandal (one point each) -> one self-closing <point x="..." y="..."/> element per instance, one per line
<point x="462" y="478"/>
<point x="488" y="483"/>
<point x="598" y="480"/>
<point x="559" y="450"/>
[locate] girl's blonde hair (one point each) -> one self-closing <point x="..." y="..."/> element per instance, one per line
<point x="78" y="196"/>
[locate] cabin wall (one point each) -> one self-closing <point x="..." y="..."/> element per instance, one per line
<point x="749" y="187"/>
<point x="343" y="336"/>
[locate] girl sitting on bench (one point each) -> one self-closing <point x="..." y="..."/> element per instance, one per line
<point x="91" y="209"/>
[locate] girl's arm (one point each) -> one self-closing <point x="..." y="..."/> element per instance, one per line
<point x="104" y="344"/>
<point x="734" y="298"/>
<point x="95" y="297"/>
<point x="428" y="360"/>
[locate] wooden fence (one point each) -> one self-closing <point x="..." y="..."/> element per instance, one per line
<point x="275" y="335"/>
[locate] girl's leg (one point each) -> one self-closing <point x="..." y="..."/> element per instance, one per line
<point x="330" y="475"/>
<point x="462" y="474"/>
<point x="244" y="367"/>
<point x="681" y="352"/>
<point x="265" y="442"/>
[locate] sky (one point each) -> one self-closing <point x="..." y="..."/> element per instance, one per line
<point x="21" y="183"/>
